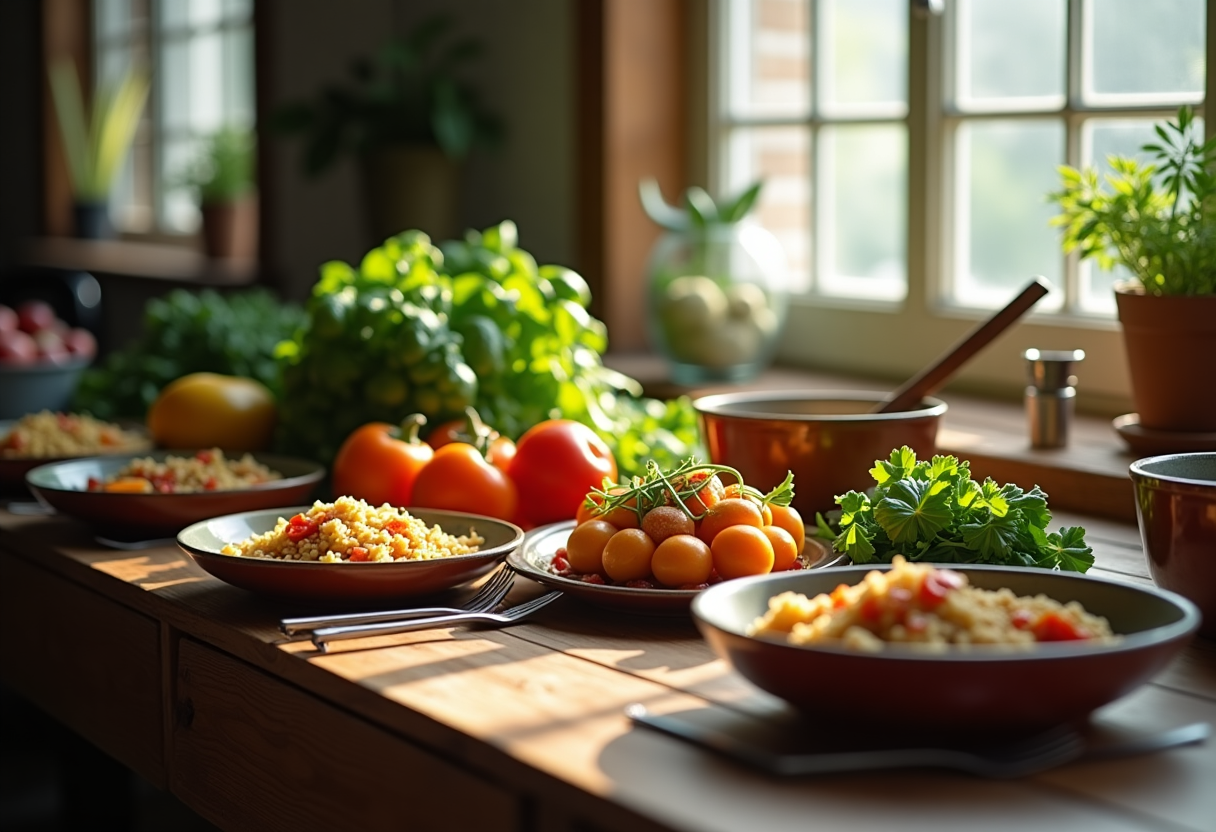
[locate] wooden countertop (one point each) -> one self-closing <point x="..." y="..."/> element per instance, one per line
<point x="188" y="681"/>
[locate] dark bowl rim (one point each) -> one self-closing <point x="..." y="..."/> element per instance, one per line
<point x="502" y="549"/>
<point x="1187" y="625"/>
<point x="719" y="404"/>
<point x="1139" y="468"/>
<point x="313" y="472"/>
<point x="77" y="363"/>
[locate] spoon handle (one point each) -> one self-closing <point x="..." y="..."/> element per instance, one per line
<point x="929" y="380"/>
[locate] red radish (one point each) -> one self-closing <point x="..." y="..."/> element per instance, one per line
<point x="35" y="316"/>
<point x="81" y="342"/>
<point x="17" y="347"/>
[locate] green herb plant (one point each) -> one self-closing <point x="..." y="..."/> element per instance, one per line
<point x="187" y="332"/>
<point x="409" y="92"/>
<point x="421" y="328"/>
<point x="96" y="139"/>
<point x="933" y="511"/>
<point x="1158" y="219"/>
<point x="224" y="169"/>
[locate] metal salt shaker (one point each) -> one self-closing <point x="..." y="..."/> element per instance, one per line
<point x="1051" y="395"/>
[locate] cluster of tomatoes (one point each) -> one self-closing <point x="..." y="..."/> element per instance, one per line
<point x="465" y="465"/>
<point x="686" y="533"/>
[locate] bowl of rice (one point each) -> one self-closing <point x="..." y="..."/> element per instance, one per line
<point x="49" y="436"/>
<point x="160" y="493"/>
<point x="993" y="648"/>
<point x="349" y="550"/>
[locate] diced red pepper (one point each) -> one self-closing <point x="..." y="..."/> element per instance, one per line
<point x="1052" y="626"/>
<point x="204" y="457"/>
<point x="871" y="608"/>
<point x="163" y="483"/>
<point x="358" y="553"/>
<point x="96" y="484"/>
<point x="396" y="526"/>
<point x="1022" y="619"/>
<point x="210" y="484"/>
<point x="937" y="585"/>
<point x="300" y="527"/>
<point x="561" y="563"/>
<point x="838" y="596"/>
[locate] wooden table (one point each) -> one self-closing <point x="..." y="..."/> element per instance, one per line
<point x="187" y="681"/>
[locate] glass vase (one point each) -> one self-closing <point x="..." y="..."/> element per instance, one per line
<point x="717" y="299"/>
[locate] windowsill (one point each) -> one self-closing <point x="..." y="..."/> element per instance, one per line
<point x="148" y="261"/>
<point x="1089" y="476"/>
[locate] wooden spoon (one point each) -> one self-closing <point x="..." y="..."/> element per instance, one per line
<point x="931" y="379"/>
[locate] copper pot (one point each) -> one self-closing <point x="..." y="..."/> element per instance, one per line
<point x="829" y="439"/>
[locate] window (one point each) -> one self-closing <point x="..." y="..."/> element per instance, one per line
<point x="200" y="54"/>
<point x="908" y="155"/>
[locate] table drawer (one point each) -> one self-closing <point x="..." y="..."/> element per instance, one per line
<point x="252" y="752"/>
<point x="91" y="663"/>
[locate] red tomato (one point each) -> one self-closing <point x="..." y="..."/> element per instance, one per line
<point x="458" y="478"/>
<point x="1054" y="627"/>
<point x="937" y="585"/>
<point x="556" y="463"/>
<point x="497" y="449"/>
<point x="377" y="464"/>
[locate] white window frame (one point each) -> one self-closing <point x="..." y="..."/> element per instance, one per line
<point x="892" y="340"/>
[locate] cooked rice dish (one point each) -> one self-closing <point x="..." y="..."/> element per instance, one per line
<point x="350" y="530"/>
<point x="924" y="606"/>
<point x="207" y="470"/>
<point x="49" y="435"/>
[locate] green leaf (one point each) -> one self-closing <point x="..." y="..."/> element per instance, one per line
<point x="852" y="504"/>
<point x="736" y="209"/>
<point x="1067" y="550"/>
<point x="856" y="543"/>
<point x="993" y="538"/>
<point x="912" y="510"/>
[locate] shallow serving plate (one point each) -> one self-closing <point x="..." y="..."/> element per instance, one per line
<point x="310" y="580"/>
<point x="989" y="689"/>
<point x="535" y="560"/>
<point x="14" y="468"/>
<point x="64" y="487"/>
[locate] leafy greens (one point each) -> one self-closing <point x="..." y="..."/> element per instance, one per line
<point x="933" y="511"/>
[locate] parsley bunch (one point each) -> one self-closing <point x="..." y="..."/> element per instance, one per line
<point x="933" y="511"/>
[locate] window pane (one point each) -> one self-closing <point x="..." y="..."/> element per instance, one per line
<point x="861" y="218"/>
<point x="112" y="18"/>
<point x="179" y="213"/>
<point x="862" y="55"/>
<point x="206" y="82"/>
<point x="1003" y="236"/>
<point x="174" y="85"/>
<point x="1145" y="51"/>
<point x="781" y="155"/>
<point x="238" y="78"/>
<point x="1011" y="54"/>
<point x="768" y="56"/>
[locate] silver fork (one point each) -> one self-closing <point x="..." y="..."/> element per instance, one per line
<point x="487" y="598"/>
<point x="322" y="637"/>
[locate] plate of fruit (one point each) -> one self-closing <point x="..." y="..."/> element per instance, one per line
<point x="651" y="544"/>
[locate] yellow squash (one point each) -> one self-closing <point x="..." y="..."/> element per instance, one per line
<point x="206" y="410"/>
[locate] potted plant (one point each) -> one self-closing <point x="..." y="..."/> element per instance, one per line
<point x="96" y="139"/>
<point x="1158" y="219"/>
<point x="410" y="120"/>
<point x="717" y="286"/>
<point x="223" y="180"/>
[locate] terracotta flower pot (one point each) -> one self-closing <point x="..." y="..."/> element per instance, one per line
<point x="230" y="229"/>
<point x="1171" y="348"/>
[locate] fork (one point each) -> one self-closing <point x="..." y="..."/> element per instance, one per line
<point x="487" y="598"/>
<point x="323" y="636"/>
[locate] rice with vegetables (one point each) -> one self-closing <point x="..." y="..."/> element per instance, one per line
<point x="207" y="470"/>
<point x="350" y="530"/>
<point x="51" y="435"/>
<point x="925" y="606"/>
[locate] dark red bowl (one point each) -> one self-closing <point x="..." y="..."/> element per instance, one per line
<point x="313" y="581"/>
<point x="992" y="690"/>
<point x="1176" y="509"/>
<point x="64" y="487"/>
